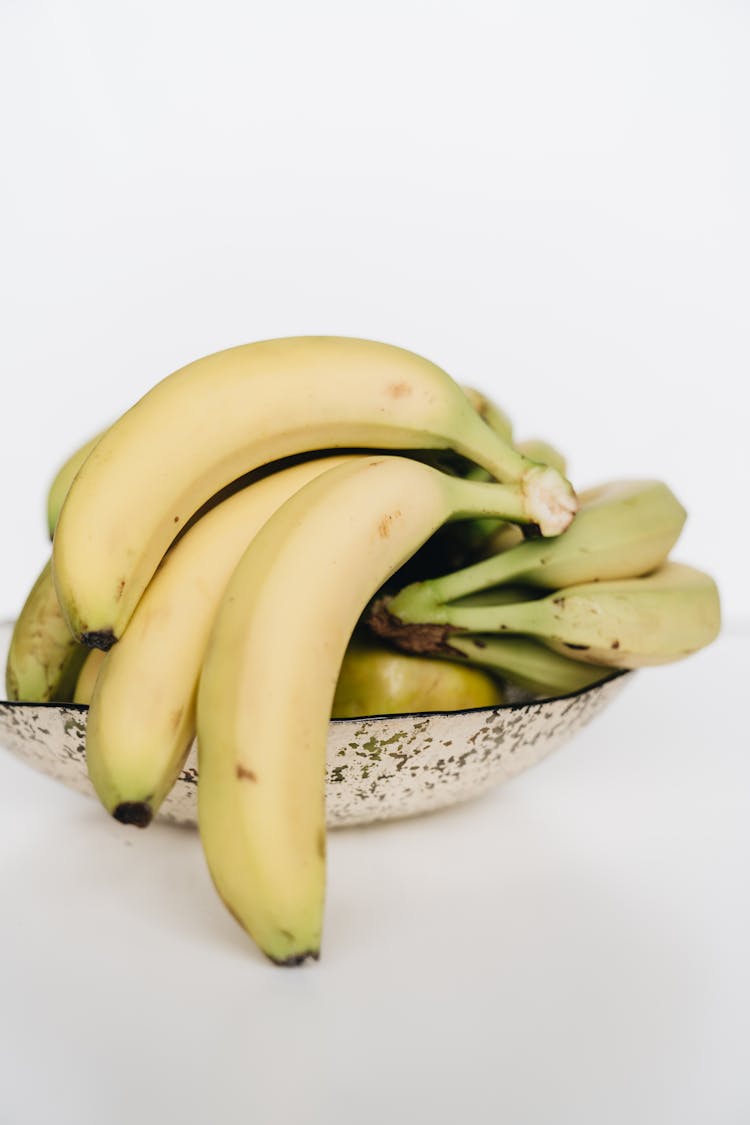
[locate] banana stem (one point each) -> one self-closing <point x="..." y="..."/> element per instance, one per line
<point x="521" y="617"/>
<point x="494" y="571"/>
<point x="471" y="499"/>
<point x="549" y="500"/>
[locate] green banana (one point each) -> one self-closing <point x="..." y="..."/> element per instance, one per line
<point x="545" y="454"/>
<point x="527" y="663"/>
<point x="491" y="413"/>
<point x="622" y="530"/>
<point x="44" y="658"/>
<point x="378" y="680"/>
<point x="625" y="623"/>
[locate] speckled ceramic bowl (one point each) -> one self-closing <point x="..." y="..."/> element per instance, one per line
<point x="378" y="768"/>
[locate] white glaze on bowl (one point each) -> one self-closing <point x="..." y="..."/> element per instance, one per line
<point x="378" y="768"/>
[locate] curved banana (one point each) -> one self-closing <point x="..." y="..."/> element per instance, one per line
<point x="378" y="680"/>
<point x="491" y="413"/>
<point x="142" y="712"/>
<point x="264" y="703"/>
<point x="60" y="486"/>
<point x="527" y="663"/>
<point x="228" y="413"/>
<point x="536" y="449"/>
<point x="88" y="676"/>
<point x="622" y="530"/>
<point x="44" y="657"/>
<point x="629" y="623"/>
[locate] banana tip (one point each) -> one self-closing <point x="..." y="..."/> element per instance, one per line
<point x="137" y="813"/>
<point x="99" y="638"/>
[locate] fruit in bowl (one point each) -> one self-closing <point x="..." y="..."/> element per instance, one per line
<point x="221" y="543"/>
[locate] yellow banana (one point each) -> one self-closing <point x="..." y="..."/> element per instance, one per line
<point x="88" y="675"/>
<point x="61" y="484"/>
<point x="264" y="703"/>
<point x="44" y="658"/>
<point x="228" y="413"/>
<point x="142" y="712"/>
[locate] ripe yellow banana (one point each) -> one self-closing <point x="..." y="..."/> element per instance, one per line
<point x="61" y="484"/>
<point x="629" y="623"/>
<point x="88" y="675"/>
<point x="378" y="680"/>
<point x="142" y="712"/>
<point x="270" y="674"/>
<point x="44" y="658"/>
<point x="228" y="413"/>
<point x="622" y="530"/>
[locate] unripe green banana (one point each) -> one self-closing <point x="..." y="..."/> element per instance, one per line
<point x="44" y="658"/>
<point x="491" y="413"/>
<point x="629" y="623"/>
<point x="622" y="530"/>
<point x="527" y="663"/>
<point x="378" y="680"/>
<point x="536" y="449"/>
<point x="65" y="476"/>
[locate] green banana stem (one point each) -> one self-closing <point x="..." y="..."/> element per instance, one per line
<point x="413" y="602"/>
<point x="476" y="498"/>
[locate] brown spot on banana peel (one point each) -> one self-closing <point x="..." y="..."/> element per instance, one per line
<point x="398" y="390"/>
<point x="421" y="639"/>
<point x="384" y="526"/>
<point x="320" y="842"/>
<point x="244" y="774"/>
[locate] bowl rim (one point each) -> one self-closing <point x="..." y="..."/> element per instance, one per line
<point x="515" y="705"/>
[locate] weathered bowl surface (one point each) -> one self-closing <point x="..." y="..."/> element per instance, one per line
<point x="378" y="768"/>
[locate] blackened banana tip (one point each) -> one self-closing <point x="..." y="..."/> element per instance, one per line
<point x="137" y="813"/>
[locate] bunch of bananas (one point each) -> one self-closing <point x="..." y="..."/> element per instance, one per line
<point x="258" y="544"/>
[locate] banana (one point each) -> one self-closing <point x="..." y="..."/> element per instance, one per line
<point x="527" y="663"/>
<point x="270" y="673"/>
<point x="545" y="454"/>
<point x="87" y="677"/>
<point x="623" y="529"/>
<point x="491" y="413"/>
<point x="228" y="413"/>
<point x="376" y="680"/>
<point x="61" y="484"/>
<point x="44" y="657"/>
<point x="142" y="712"/>
<point x="629" y="623"/>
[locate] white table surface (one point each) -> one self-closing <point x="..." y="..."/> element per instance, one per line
<point x="574" y="947"/>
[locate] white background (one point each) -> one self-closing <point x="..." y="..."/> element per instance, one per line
<point x="549" y="200"/>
